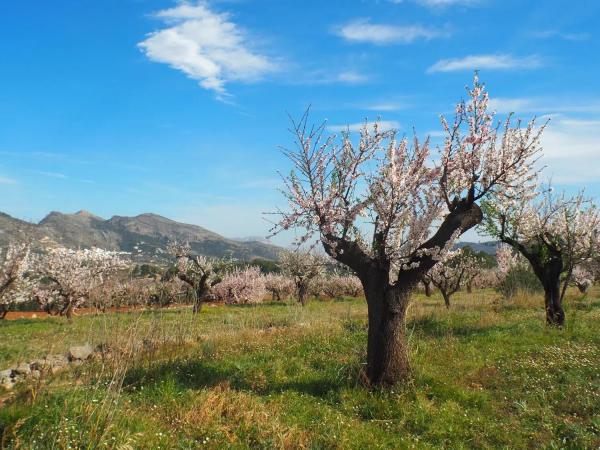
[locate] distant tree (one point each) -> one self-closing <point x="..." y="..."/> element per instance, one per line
<point x="266" y="265"/>
<point x="281" y="287"/>
<point x="303" y="268"/>
<point x="417" y="209"/>
<point x="15" y="262"/>
<point x="242" y="286"/>
<point x="582" y="277"/>
<point x="199" y="272"/>
<point x="68" y="277"/>
<point x="555" y="233"/>
<point x="458" y="268"/>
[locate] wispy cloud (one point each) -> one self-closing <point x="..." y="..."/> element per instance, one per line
<point x="547" y="106"/>
<point x="491" y="62"/>
<point x="556" y="34"/>
<point x="363" y="31"/>
<point x="384" y="106"/>
<point x="384" y="125"/>
<point x="207" y="46"/>
<point x="351" y="77"/>
<point x="320" y="76"/>
<point x="437" y="4"/>
<point x="62" y="176"/>
<point x="7" y="180"/>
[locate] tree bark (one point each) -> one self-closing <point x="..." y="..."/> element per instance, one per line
<point x="69" y="312"/>
<point x="555" y="316"/>
<point x="446" y="298"/>
<point x="387" y="348"/>
<point x="302" y="294"/>
<point x="3" y="311"/>
<point x="197" y="306"/>
<point x="427" y="288"/>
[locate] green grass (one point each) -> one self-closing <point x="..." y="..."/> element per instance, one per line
<point x="486" y="374"/>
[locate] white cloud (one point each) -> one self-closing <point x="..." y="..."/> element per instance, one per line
<point x="475" y="62"/>
<point x="384" y="125"/>
<point x="206" y="46"/>
<point x="572" y="150"/>
<point x="7" y="180"/>
<point x="364" y="31"/>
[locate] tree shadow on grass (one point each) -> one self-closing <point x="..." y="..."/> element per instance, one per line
<point x="207" y="373"/>
<point x="431" y="327"/>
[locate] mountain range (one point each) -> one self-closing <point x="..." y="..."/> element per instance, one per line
<point x="144" y="236"/>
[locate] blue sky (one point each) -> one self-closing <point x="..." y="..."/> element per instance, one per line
<point x="178" y="108"/>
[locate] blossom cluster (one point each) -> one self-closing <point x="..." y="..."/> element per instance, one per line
<point x="241" y="286"/>
<point x="15" y="263"/>
<point x="68" y="277"/>
<point x="382" y="197"/>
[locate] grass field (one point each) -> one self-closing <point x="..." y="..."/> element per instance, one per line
<point x="486" y="374"/>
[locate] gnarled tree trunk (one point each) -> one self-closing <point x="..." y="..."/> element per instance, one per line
<point x="387" y="348"/>
<point x="555" y="314"/>
<point x="548" y="269"/>
<point x="303" y="293"/>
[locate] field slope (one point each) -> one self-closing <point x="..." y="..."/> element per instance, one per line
<point x="487" y="374"/>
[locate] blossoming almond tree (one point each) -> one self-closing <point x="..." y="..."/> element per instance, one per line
<point x="15" y="261"/>
<point x="554" y="233"/>
<point x="199" y="272"/>
<point x="384" y="209"/>
<point x="457" y="269"/>
<point x="303" y="268"/>
<point x="280" y="286"/>
<point x="582" y="278"/>
<point x="242" y="286"/>
<point x="71" y="275"/>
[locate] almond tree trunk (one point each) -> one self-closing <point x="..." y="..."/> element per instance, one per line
<point x="387" y="347"/>
<point x="303" y="294"/>
<point x="446" y="298"/>
<point x="555" y="314"/>
<point x="428" y="289"/>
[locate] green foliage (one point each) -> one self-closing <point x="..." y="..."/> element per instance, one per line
<point x="145" y="270"/>
<point x="520" y="280"/>
<point x="266" y="265"/>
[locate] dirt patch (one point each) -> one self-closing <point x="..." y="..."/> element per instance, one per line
<point x="16" y="315"/>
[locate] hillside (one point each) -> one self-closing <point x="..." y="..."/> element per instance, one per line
<point x="145" y="235"/>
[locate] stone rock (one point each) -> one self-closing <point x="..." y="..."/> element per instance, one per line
<point x="36" y="374"/>
<point x="7" y="383"/>
<point x="5" y="373"/>
<point x="80" y="352"/>
<point x="56" y="362"/>
<point x="22" y="369"/>
<point x="39" y="364"/>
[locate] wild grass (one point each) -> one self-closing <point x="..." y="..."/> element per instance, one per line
<point x="487" y="373"/>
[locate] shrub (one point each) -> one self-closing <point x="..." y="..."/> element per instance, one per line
<point x="519" y="279"/>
